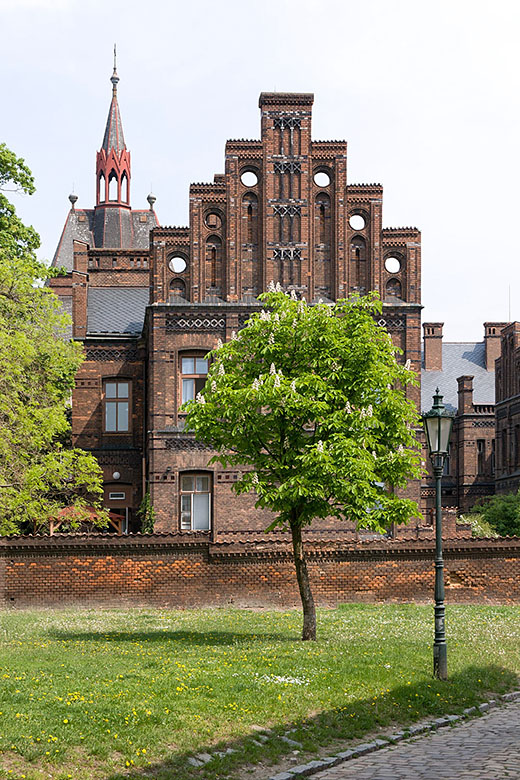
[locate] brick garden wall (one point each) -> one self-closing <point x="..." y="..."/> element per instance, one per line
<point x="158" y="570"/>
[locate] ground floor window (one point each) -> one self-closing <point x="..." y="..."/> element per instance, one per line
<point x="195" y="502"/>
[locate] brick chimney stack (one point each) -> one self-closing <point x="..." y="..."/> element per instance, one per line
<point x="465" y="394"/>
<point x="432" y="345"/>
<point x="492" y="332"/>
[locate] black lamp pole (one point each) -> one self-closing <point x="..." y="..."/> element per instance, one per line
<point x="437" y="424"/>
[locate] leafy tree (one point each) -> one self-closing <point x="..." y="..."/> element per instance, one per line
<point x="309" y="401"/>
<point x="38" y="474"/>
<point x="501" y="513"/>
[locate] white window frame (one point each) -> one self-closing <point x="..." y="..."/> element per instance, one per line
<point x="190" y="507"/>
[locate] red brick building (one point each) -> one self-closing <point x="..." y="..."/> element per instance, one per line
<point x="148" y="302"/>
<point x="508" y="411"/>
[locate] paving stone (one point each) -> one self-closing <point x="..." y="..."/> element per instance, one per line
<point x="291" y="742"/>
<point x="195" y="762"/>
<point x="203" y="757"/>
<point x="486" y="748"/>
<point x="469" y="710"/>
<point x="282" y="776"/>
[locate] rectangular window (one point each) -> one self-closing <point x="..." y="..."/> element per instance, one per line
<point x="117" y="496"/>
<point x="195" y="502"/>
<point x="116" y="402"/>
<point x="194" y="372"/>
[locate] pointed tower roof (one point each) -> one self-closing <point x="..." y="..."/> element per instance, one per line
<point x="114" y="138"/>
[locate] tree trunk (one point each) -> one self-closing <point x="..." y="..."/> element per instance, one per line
<point x="302" y="575"/>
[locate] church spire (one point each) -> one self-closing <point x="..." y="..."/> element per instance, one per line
<point x="113" y="159"/>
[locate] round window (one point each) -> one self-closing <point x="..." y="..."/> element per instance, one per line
<point x="177" y="264"/>
<point x="249" y="179"/>
<point x="393" y="265"/>
<point x="357" y="222"/>
<point x="322" y="179"/>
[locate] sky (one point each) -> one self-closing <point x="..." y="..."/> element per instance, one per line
<point x="426" y="94"/>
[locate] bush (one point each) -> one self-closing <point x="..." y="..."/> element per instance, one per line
<point x="501" y="512"/>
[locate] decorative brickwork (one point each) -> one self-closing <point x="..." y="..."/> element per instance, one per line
<point x="169" y="571"/>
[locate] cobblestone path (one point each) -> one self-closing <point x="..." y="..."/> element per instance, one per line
<point x="485" y="748"/>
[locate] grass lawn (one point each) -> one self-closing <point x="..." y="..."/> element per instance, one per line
<point x="110" y="693"/>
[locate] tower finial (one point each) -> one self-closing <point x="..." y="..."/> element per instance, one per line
<point x="114" y="78"/>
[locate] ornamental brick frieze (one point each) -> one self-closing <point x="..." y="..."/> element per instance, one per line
<point x="106" y="355"/>
<point x="287" y="209"/>
<point x="392" y="323"/>
<point x="227" y="476"/>
<point x="117" y="459"/>
<point x="289" y="166"/>
<point x="293" y="253"/>
<point x="483" y="423"/>
<point x="185" y="443"/>
<point x="287" y="120"/>
<point x="196" y="322"/>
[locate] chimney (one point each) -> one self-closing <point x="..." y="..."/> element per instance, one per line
<point x="433" y="346"/>
<point x="492" y="332"/>
<point x="79" y="290"/>
<point x="465" y="394"/>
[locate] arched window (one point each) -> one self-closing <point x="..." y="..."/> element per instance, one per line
<point x="124" y="188"/>
<point x="101" y="188"/>
<point x="394" y="288"/>
<point x="214" y="265"/>
<point x="112" y="186"/>
<point x="177" y="291"/>
<point x="322" y="219"/>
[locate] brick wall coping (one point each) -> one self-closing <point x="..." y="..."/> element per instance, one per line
<point x="167" y="543"/>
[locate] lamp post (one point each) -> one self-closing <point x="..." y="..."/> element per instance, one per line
<point x="437" y="425"/>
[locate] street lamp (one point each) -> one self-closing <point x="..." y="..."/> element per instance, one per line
<point x="437" y="425"/>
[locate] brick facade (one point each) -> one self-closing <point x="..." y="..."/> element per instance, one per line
<point x="155" y="570"/>
<point x="508" y="411"/>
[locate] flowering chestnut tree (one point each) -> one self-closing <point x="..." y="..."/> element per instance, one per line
<point x="309" y="400"/>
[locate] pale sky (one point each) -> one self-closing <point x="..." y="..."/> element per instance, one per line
<point x="425" y="93"/>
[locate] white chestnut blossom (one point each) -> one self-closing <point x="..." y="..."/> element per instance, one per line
<point x="293" y="386"/>
<point x="276" y="317"/>
<point x="255" y="479"/>
<point x="221" y="371"/>
<point x="278" y="287"/>
<point x="408" y="364"/>
<point x="293" y="295"/>
<point x="213" y="387"/>
<point x="319" y="446"/>
<point x="271" y="287"/>
<point x="301" y="307"/>
<point x="265" y="315"/>
<point x="233" y="335"/>
<point x="200" y="399"/>
<point x="256" y="384"/>
<point x="271" y="338"/>
<point x="276" y="380"/>
<point x="400" y="449"/>
<point x="219" y="343"/>
<point x="348" y="408"/>
<point x="272" y="370"/>
<point x="320" y="300"/>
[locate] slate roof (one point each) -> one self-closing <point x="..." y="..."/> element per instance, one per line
<point x="107" y="227"/>
<point x="116" y="309"/>
<point x="114" y="138"/>
<point x="459" y="359"/>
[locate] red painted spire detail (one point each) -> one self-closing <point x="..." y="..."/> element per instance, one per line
<point x="113" y="159"/>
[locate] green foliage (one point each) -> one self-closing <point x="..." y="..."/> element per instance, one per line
<point x="501" y="513"/>
<point x="310" y="401"/>
<point x="480" y="528"/>
<point x="37" y="476"/>
<point x="146" y="514"/>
